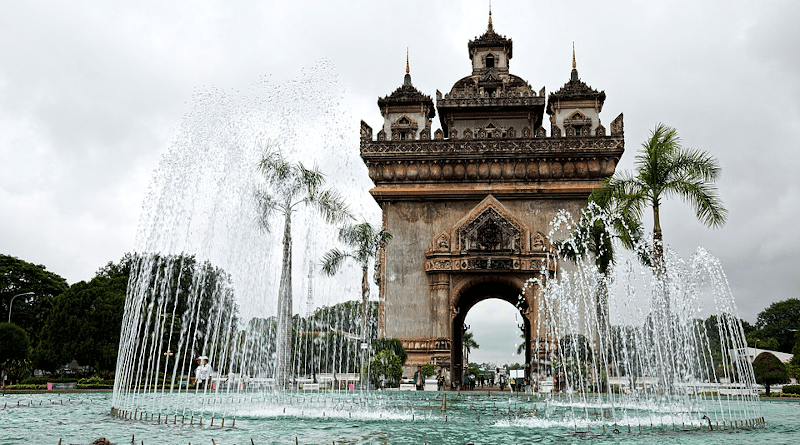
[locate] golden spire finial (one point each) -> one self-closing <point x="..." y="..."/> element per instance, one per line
<point x="574" y="74"/>
<point x="490" y="14"/>
<point x="407" y="77"/>
<point x="573" y="56"/>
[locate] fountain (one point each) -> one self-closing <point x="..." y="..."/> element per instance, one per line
<point x="205" y="283"/>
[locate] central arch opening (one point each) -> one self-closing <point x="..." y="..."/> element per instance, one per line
<point x="512" y="301"/>
<point x="497" y="327"/>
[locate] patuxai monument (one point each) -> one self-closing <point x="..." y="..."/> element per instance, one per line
<point x="469" y="204"/>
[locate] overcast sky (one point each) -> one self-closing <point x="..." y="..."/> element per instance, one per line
<point x="92" y="93"/>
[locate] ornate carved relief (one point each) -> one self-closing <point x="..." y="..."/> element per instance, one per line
<point x="443" y="242"/>
<point x="366" y="131"/>
<point x="540" y="243"/>
<point x="490" y="232"/>
<point x="555" y="131"/>
<point x="404" y="128"/>
<point x="540" y="132"/>
<point x="617" y="126"/>
<point x="438" y="134"/>
<point x="381" y="135"/>
<point x="600" y="131"/>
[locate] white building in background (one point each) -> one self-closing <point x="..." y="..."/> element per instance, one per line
<point x="752" y="353"/>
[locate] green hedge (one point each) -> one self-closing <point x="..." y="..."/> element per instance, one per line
<point x="101" y="386"/>
<point x="791" y="389"/>
<point x="27" y="386"/>
<point x="42" y="380"/>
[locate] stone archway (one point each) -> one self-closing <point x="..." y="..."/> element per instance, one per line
<point x="480" y="288"/>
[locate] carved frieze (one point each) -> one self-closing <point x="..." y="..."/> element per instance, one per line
<point x="490" y="232"/>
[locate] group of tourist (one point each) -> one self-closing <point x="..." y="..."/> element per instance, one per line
<point x="471" y="381"/>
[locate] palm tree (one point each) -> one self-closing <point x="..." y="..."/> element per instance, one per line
<point x="664" y="169"/>
<point x="289" y="187"/>
<point x="521" y="346"/>
<point x="366" y="241"/>
<point x="469" y="344"/>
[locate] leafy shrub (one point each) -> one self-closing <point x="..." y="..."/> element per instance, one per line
<point x="42" y="380"/>
<point x="26" y="387"/>
<point x="385" y="368"/>
<point x="791" y="389"/>
<point x="769" y="370"/>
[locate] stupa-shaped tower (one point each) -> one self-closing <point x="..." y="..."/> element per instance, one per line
<point x="406" y="112"/>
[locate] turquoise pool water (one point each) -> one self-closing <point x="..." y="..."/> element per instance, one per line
<point x="79" y="418"/>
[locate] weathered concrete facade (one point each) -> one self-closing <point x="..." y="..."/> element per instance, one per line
<point x="469" y="208"/>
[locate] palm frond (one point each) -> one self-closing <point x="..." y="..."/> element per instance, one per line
<point x="275" y="168"/>
<point x="267" y="205"/>
<point x="310" y="179"/>
<point x="704" y="200"/>
<point x="694" y="164"/>
<point x="331" y="206"/>
<point x="332" y="261"/>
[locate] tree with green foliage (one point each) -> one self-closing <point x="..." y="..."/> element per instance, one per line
<point x="769" y="370"/>
<point x="84" y="324"/>
<point x="365" y="240"/>
<point x="14" y="346"/>
<point x="390" y="344"/>
<point x="28" y="311"/>
<point x="664" y="169"/>
<point x="781" y="321"/>
<point x="469" y="342"/>
<point x="757" y="340"/>
<point x="521" y="345"/>
<point x="289" y="187"/>
<point x="385" y="369"/>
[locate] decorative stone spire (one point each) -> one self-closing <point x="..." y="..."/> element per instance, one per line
<point x="491" y="28"/>
<point x="407" y="78"/>
<point x="574" y="75"/>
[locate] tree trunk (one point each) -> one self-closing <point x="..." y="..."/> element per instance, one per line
<point x="284" y="337"/>
<point x="602" y="340"/>
<point x="364" y="302"/>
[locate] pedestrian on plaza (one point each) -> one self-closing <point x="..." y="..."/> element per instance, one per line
<point x="419" y="378"/>
<point x="203" y="373"/>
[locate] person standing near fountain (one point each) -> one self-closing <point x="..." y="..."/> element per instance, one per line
<point x="419" y="378"/>
<point x="203" y="373"/>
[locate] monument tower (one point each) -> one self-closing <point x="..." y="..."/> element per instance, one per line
<point x="469" y="205"/>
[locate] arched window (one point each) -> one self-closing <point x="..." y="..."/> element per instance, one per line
<point x="490" y="61"/>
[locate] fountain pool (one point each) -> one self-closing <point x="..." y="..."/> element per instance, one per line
<point x="472" y="417"/>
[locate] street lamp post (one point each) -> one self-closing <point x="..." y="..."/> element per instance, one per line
<point x="12" y="302"/>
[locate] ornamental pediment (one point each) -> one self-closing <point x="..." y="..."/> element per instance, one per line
<point x="489" y="237"/>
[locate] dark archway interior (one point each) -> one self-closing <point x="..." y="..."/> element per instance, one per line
<point x="469" y="298"/>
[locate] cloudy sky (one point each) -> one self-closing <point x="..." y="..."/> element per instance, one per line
<point x="92" y="93"/>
